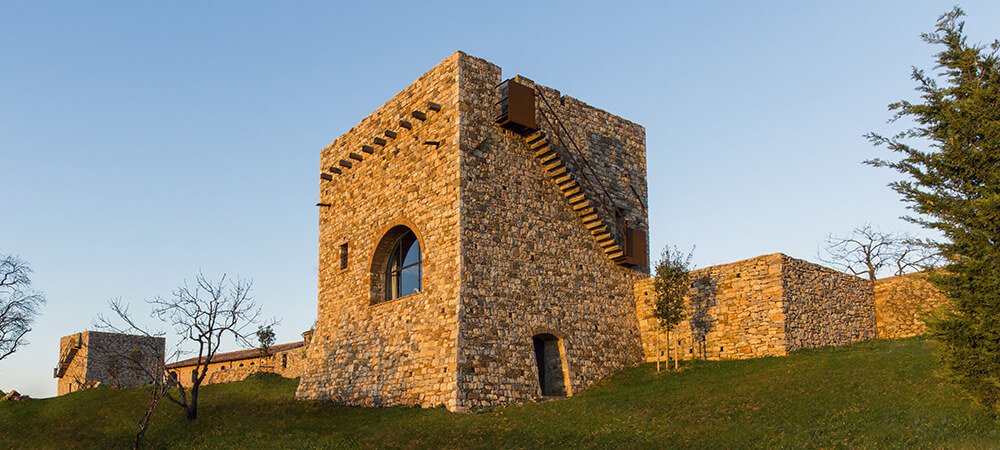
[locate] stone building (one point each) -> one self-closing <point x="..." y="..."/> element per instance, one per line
<point x="902" y="303"/>
<point x="479" y="244"/>
<point x="94" y="358"/>
<point x="286" y="359"/>
<point x="764" y="306"/>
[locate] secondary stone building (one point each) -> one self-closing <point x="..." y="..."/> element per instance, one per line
<point x="764" y="306"/>
<point x="286" y="359"/>
<point x="479" y="244"/>
<point x="93" y="358"/>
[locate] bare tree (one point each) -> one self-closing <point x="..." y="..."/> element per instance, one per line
<point x="867" y="251"/>
<point x="201" y="315"/>
<point x="914" y="255"/>
<point x="19" y="304"/>
<point x="137" y="361"/>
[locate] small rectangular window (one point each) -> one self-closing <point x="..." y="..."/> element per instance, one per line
<point x="343" y="255"/>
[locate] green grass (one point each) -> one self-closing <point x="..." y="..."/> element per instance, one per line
<point x="872" y="394"/>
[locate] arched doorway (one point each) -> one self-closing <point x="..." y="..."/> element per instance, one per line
<point x="549" y="359"/>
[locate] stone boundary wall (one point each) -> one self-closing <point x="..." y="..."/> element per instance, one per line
<point x="824" y="306"/>
<point x="901" y="302"/>
<point x="734" y="311"/>
<point x="529" y="265"/>
<point x="241" y="373"/>
<point x="764" y="306"/>
<point x="289" y="364"/>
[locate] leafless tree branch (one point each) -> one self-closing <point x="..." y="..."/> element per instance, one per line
<point x="19" y="304"/>
<point x="867" y="252"/>
<point x="200" y="314"/>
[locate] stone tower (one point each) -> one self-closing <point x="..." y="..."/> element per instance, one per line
<point x="479" y="242"/>
<point x="93" y="358"/>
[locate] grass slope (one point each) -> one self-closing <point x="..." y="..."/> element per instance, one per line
<point x="872" y="394"/>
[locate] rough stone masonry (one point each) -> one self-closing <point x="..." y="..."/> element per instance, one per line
<point x="764" y="306"/>
<point x="464" y="264"/>
<point x="509" y="275"/>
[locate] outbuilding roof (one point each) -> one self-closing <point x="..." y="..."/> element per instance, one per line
<point x="239" y="354"/>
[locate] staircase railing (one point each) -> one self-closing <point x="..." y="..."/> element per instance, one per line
<point x="577" y="156"/>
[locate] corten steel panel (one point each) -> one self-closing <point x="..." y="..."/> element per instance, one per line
<point x="517" y="108"/>
<point x="636" y="252"/>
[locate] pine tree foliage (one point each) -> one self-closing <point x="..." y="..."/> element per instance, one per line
<point x="950" y="159"/>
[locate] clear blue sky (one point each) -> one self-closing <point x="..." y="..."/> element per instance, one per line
<point x="142" y="142"/>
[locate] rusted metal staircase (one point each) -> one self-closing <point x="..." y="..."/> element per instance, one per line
<point x="589" y="211"/>
<point x="566" y="165"/>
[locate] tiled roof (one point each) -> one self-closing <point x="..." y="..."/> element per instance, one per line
<point x="239" y="354"/>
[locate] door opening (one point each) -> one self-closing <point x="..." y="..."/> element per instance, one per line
<point x="551" y="377"/>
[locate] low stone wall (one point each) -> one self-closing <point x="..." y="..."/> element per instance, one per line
<point x="902" y="302"/>
<point x="764" y="306"/>
<point x="824" y="306"/>
<point x="289" y="364"/>
<point x="734" y="311"/>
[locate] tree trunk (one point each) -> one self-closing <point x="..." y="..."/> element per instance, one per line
<point x="656" y="348"/>
<point x="192" y="408"/>
<point x="668" y="349"/>
<point x="148" y="416"/>
<point x="677" y="356"/>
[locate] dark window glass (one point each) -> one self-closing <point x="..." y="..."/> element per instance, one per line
<point x="403" y="271"/>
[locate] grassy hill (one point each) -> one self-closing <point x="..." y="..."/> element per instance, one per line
<point x="872" y="394"/>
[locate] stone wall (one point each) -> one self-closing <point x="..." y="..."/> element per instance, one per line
<point x="71" y="370"/>
<point x="825" y="306"/>
<point x="289" y="364"/>
<point x="902" y="302"/>
<point x="94" y="358"/>
<point x="734" y="311"/>
<point x="764" y="306"/>
<point x="529" y="266"/>
<point x="402" y="351"/>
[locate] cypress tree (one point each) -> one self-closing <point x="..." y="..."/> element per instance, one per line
<point x="950" y="159"/>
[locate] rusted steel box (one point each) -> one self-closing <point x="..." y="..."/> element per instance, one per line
<point x="517" y="108"/>
<point x="636" y="247"/>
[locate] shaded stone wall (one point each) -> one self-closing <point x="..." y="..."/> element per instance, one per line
<point x="610" y="150"/>
<point x="764" y="306"/>
<point x="825" y="306"/>
<point x="402" y="351"/>
<point x="734" y="311"/>
<point x="902" y="302"/>
<point x="289" y="364"/>
<point x="529" y="266"/>
<point x="73" y="357"/>
<point x="111" y="359"/>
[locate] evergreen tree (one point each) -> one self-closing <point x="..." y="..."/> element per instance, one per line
<point x="671" y="283"/>
<point x="951" y="162"/>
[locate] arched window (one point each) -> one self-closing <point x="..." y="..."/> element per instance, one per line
<point x="403" y="271"/>
<point x="397" y="266"/>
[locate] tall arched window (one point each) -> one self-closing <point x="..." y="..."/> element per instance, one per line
<point x="403" y="271"/>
